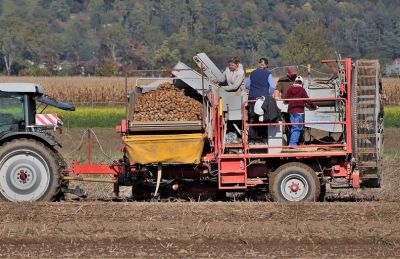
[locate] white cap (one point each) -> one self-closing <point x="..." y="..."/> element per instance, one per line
<point x="299" y="78"/>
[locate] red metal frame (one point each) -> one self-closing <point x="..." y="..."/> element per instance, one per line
<point x="345" y="169"/>
<point x="346" y="146"/>
<point x="78" y="169"/>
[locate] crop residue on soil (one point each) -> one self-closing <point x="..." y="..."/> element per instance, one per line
<point x="240" y="229"/>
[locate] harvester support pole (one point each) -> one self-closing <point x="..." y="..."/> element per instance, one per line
<point x="115" y="193"/>
<point x="126" y="93"/>
<point x="159" y="172"/>
<point x="89" y="147"/>
<point x="203" y="95"/>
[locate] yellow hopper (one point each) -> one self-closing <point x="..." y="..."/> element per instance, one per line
<point x="178" y="148"/>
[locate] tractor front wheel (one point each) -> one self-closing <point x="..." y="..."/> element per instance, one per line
<point x="294" y="182"/>
<point x="29" y="171"/>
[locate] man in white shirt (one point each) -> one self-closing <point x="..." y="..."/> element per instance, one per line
<point x="234" y="76"/>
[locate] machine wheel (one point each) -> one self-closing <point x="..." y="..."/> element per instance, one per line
<point x="29" y="171"/>
<point x="294" y="182"/>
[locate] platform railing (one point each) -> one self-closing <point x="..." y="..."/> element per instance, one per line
<point x="343" y="120"/>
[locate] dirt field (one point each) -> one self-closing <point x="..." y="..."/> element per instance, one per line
<point x="183" y="230"/>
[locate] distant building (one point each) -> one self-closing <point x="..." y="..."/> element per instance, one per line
<point x="393" y="69"/>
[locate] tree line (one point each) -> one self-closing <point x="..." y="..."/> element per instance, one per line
<point x="107" y="37"/>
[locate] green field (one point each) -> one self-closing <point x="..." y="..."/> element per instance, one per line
<point x="108" y="117"/>
<point x="392" y="116"/>
<point x="91" y="117"/>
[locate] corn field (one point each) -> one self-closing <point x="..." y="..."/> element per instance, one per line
<point x="391" y="90"/>
<point x="81" y="90"/>
<point x="112" y="90"/>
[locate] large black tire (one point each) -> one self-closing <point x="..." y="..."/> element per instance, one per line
<point x="29" y="171"/>
<point x="294" y="182"/>
<point x="64" y="183"/>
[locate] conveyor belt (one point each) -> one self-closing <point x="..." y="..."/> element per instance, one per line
<point x="368" y="121"/>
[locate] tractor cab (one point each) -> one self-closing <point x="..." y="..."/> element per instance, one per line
<point x="18" y="108"/>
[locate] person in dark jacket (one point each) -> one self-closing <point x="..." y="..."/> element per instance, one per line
<point x="271" y="110"/>
<point x="296" y="109"/>
<point x="284" y="83"/>
<point x="260" y="84"/>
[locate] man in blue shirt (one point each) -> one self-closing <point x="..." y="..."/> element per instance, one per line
<point x="259" y="83"/>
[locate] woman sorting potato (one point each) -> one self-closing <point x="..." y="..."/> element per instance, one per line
<point x="234" y="76"/>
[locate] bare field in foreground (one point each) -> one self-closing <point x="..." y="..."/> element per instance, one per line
<point x="200" y="230"/>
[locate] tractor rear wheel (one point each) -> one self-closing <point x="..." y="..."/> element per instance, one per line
<point x="294" y="182"/>
<point x="29" y="171"/>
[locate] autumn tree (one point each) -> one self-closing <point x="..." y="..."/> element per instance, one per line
<point x="13" y="36"/>
<point x="306" y="44"/>
<point x="165" y="57"/>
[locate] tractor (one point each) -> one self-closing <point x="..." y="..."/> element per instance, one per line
<point x="31" y="168"/>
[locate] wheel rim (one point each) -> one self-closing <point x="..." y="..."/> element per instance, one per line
<point x="294" y="187"/>
<point x="24" y="176"/>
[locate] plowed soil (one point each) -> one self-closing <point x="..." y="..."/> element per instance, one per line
<point x="182" y="230"/>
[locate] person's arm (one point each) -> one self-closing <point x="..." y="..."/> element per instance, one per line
<point x="238" y="82"/>
<point x="277" y="94"/>
<point x="271" y="84"/>
<point x="248" y="83"/>
<point x="308" y="102"/>
<point x="217" y="82"/>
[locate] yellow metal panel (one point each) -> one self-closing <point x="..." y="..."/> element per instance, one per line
<point x="249" y="70"/>
<point x="178" y="148"/>
<point x="221" y="107"/>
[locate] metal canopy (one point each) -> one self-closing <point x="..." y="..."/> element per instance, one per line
<point x="22" y="88"/>
<point x="53" y="102"/>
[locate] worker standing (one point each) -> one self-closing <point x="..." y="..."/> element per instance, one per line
<point x="234" y="76"/>
<point x="260" y="84"/>
<point x="296" y="108"/>
<point x="285" y="82"/>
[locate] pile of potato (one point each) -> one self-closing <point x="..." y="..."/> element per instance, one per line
<point x="166" y="103"/>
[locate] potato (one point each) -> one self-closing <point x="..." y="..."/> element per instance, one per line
<point x="166" y="103"/>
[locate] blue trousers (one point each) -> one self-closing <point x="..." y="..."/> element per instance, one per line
<point x="296" y="129"/>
